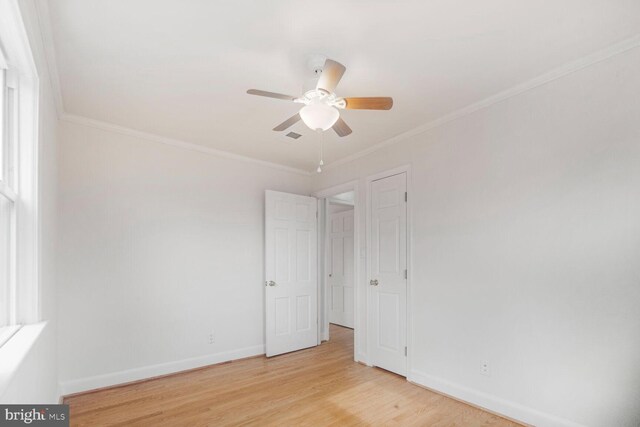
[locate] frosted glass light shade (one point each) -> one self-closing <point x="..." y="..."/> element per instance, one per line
<point x="319" y="116"/>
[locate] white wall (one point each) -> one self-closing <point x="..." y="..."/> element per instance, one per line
<point x="36" y="380"/>
<point x="159" y="247"/>
<point x="526" y="249"/>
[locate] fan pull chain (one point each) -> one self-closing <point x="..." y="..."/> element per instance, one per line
<point x="321" y="163"/>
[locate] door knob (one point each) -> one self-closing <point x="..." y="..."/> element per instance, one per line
<point x="373" y="282"/>
<point x="270" y="283"/>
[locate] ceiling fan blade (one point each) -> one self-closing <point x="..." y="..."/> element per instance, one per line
<point x="373" y="103"/>
<point x="270" y="94"/>
<point x="288" y="123"/>
<point x="332" y="72"/>
<point x="341" y="128"/>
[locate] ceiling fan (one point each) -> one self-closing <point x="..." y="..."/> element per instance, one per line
<point x="321" y="104"/>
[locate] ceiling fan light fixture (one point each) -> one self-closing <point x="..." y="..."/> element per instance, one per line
<point x="322" y="105"/>
<point x="319" y="116"/>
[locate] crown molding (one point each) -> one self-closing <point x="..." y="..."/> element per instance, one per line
<point x="110" y="127"/>
<point x="557" y="73"/>
<point x="46" y="34"/>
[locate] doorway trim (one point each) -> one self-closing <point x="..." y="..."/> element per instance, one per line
<point x="369" y="180"/>
<point x="323" y="303"/>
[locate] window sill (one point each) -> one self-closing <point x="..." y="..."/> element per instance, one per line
<point x="6" y="332"/>
<point x="15" y="350"/>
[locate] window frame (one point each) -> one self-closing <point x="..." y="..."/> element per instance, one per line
<point x="17" y="58"/>
<point x="9" y="139"/>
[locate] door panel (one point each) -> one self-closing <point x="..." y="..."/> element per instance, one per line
<point x="388" y="333"/>
<point x="281" y="254"/>
<point x="291" y="293"/>
<point x="337" y="301"/>
<point x="341" y="269"/>
<point x="388" y="286"/>
<point x="282" y="316"/>
<point x="303" y="259"/>
<point x="303" y="313"/>
<point x="337" y="256"/>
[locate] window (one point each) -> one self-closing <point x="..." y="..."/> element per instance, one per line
<point x="8" y="199"/>
<point x="19" y="231"/>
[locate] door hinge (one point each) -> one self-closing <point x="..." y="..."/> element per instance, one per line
<point x="406" y="196"/>
<point x="405" y="350"/>
<point x="405" y="274"/>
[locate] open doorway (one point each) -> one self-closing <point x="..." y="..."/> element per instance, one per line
<point x="340" y="259"/>
<point x="338" y="264"/>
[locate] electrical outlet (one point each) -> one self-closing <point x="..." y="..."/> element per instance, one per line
<point x="212" y="338"/>
<point x="485" y="369"/>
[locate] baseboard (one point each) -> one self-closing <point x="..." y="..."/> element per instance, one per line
<point x="477" y="398"/>
<point x="362" y="358"/>
<point x="146" y="372"/>
<point x="494" y="404"/>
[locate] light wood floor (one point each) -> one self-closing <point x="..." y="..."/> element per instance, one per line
<point x="321" y="386"/>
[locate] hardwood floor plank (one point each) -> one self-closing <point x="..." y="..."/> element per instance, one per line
<point x="321" y="386"/>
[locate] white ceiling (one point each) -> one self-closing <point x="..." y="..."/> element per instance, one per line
<point x="180" y="69"/>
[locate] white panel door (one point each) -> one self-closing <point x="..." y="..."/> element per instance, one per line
<point x="341" y="268"/>
<point x="388" y="284"/>
<point x="291" y="285"/>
